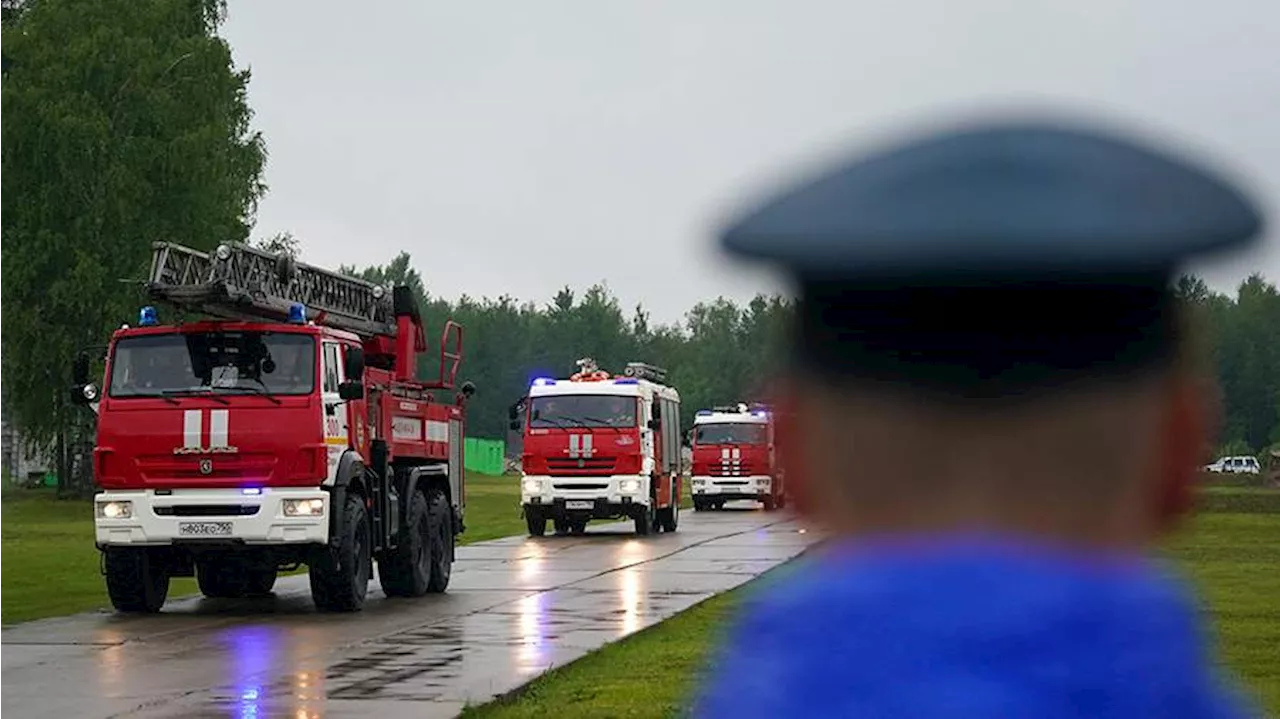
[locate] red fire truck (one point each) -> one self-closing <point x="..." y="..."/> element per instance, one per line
<point x="734" y="458"/>
<point x="601" y="447"/>
<point x="286" y="428"/>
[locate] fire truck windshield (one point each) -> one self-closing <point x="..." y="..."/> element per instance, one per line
<point x="582" y="410"/>
<point x="730" y="433"/>
<point x="226" y="362"/>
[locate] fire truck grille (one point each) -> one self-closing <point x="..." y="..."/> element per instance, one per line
<point x="160" y="468"/>
<point x="581" y="467"/>
<point x="208" y="510"/>
<point x="582" y="485"/>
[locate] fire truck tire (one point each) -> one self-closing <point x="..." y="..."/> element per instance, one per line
<point x="699" y="505"/>
<point x="782" y="501"/>
<point x="646" y="521"/>
<point x="578" y="528"/>
<point x="769" y="504"/>
<point x="440" y="540"/>
<point x="563" y="526"/>
<point x="536" y="522"/>
<point x="403" y="571"/>
<point x="136" y="582"/>
<point x="340" y="583"/>
<point x="669" y="517"/>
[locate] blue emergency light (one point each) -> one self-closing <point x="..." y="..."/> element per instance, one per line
<point x="148" y="317"/>
<point x="704" y="413"/>
<point x="543" y="382"/>
<point x="297" y="313"/>
<point x="629" y="380"/>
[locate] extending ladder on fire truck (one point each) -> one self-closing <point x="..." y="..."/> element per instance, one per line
<point x="236" y="281"/>
<point x="239" y="282"/>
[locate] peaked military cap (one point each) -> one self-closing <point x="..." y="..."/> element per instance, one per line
<point x="994" y="260"/>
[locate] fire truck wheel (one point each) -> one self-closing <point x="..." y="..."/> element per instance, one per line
<point x="769" y="504"/>
<point x="440" y="540"/>
<point x="403" y="571"/>
<point x="340" y="580"/>
<point x="782" y="501"/>
<point x="136" y="582"/>
<point x="536" y="522"/>
<point x="578" y="528"/>
<point x="699" y="505"/>
<point x="646" y="521"/>
<point x="563" y="526"/>
<point x="669" y="517"/>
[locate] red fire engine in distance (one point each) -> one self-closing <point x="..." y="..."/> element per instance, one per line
<point x="734" y="458"/>
<point x="600" y="447"/>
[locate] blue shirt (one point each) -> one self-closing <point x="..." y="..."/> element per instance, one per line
<point x="967" y="627"/>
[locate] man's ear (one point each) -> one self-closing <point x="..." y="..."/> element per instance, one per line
<point x="1194" y="413"/>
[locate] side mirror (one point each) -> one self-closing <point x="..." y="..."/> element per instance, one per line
<point x="686" y="439"/>
<point x="84" y="394"/>
<point x="513" y="413"/>
<point x="353" y="366"/>
<point x="654" y="423"/>
<point x="468" y="389"/>
<point x="351" y="390"/>
<point x="515" y="424"/>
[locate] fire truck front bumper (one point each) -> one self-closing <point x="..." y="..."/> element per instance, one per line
<point x="604" y="496"/>
<point x="267" y="516"/>
<point x="754" y="487"/>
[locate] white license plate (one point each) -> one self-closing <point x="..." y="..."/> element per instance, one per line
<point x="580" y="504"/>
<point x="204" y="529"/>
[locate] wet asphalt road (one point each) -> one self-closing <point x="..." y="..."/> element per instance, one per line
<point x="516" y="607"/>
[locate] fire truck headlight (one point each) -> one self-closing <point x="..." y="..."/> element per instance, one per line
<point x="532" y="486"/>
<point x="115" y="510"/>
<point x="303" y="507"/>
<point x="699" y="482"/>
<point x="629" y="486"/>
<point x="90" y="392"/>
<point x="762" y="482"/>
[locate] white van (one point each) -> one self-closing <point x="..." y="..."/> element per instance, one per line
<point x="1235" y="465"/>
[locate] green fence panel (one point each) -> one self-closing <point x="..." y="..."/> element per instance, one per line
<point x="485" y="456"/>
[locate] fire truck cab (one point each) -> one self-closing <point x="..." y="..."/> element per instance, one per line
<point x="734" y="458"/>
<point x="274" y="434"/>
<point x="600" y="447"/>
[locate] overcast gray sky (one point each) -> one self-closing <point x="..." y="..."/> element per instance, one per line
<point x="516" y="147"/>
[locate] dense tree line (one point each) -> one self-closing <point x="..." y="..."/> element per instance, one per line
<point x="721" y="352"/>
<point x="1242" y="337"/>
<point x="124" y="123"/>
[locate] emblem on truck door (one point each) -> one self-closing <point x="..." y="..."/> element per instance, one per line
<point x="193" y="433"/>
<point x="206" y="466"/>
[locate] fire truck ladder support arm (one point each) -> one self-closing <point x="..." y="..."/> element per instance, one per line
<point x="239" y="282"/>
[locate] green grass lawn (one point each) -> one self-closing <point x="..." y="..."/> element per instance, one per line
<point x="1231" y="551"/>
<point x="49" y="566"/>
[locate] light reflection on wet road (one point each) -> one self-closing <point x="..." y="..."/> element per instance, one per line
<point x="516" y="608"/>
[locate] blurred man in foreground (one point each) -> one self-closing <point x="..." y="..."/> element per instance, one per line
<point x="995" y="418"/>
